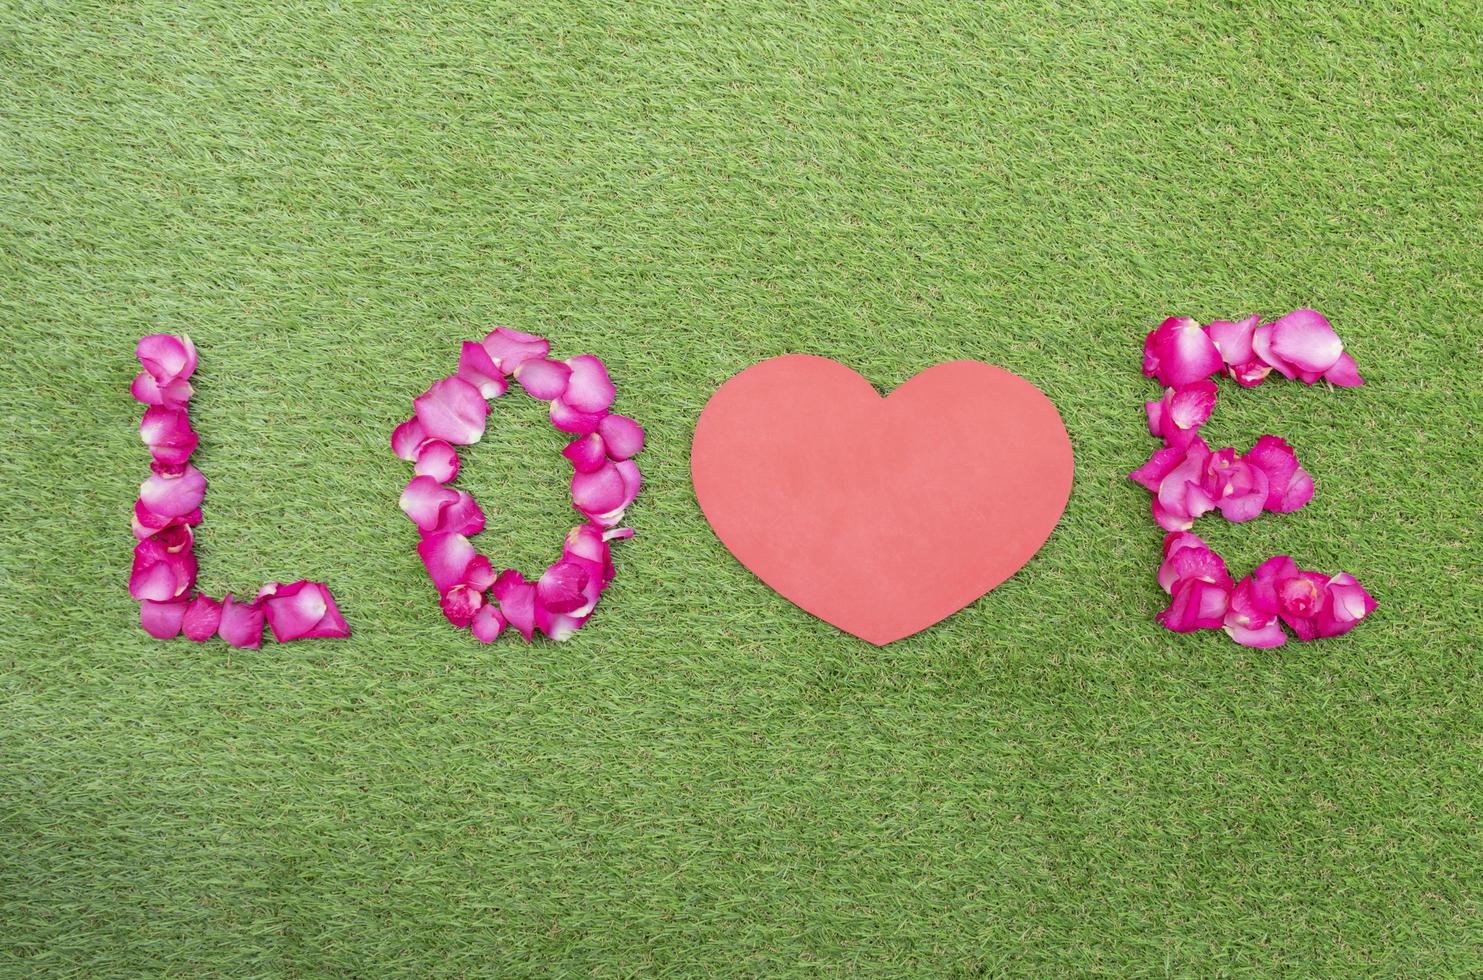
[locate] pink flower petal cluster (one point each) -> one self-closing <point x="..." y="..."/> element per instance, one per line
<point x="169" y="506"/>
<point x="1252" y="611"/>
<point x="605" y="481"/>
<point x="1188" y="479"/>
<point x="1301" y="345"/>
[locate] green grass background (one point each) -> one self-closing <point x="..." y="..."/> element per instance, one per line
<point x="330" y="196"/>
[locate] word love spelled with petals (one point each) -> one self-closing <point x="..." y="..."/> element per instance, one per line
<point x="169" y="506"/>
<point x="1188" y="479"/>
<point x="605" y="480"/>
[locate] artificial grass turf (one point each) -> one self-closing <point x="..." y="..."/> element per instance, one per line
<point x="707" y="781"/>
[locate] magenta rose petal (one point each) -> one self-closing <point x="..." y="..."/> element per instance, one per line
<point x="1183" y="352"/>
<point x="488" y="623"/>
<point x="438" y="460"/>
<point x="1233" y="339"/>
<point x="1248" y="624"/>
<point x="407" y="437"/>
<point x="589" y="389"/>
<point x="568" y="419"/>
<point x="293" y="610"/>
<point x="477" y="368"/>
<point x="1196" y="605"/>
<point x="559" y="590"/>
<point x="160" y="574"/>
<point x="599" y="491"/>
<point x="587" y="453"/>
<point x="174" y="496"/>
<point x="1289" y="486"/>
<point x="166" y="357"/>
<point x="446" y="556"/>
<point x="511" y="348"/>
<point x="1344" y="373"/>
<point x="463" y="516"/>
<point x="1261" y="344"/>
<point x="241" y="623"/>
<point x="168" y="434"/>
<point x="460" y="604"/>
<point x="1306" y="340"/>
<point x="452" y="410"/>
<point x="543" y="379"/>
<point x="1345" y="604"/>
<point x="162" y="620"/>
<point x="424" y="501"/>
<point x="1159" y="465"/>
<point x="202" y="617"/>
<point x="1251" y="373"/>
<point x="621" y="436"/>
<point x="517" y="602"/>
<point x="174" y="394"/>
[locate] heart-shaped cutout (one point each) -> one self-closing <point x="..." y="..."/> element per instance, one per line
<point x="879" y="515"/>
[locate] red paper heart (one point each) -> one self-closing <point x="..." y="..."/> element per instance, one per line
<point x="881" y="515"/>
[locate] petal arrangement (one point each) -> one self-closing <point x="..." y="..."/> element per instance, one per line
<point x="169" y="506"/>
<point x="605" y="480"/>
<point x="1189" y="479"/>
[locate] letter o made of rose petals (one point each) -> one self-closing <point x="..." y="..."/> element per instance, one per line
<point x="605" y="481"/>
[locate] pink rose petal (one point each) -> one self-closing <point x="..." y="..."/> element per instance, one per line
<point x="599" y="491"/>
<point x="241" y="623"/>
<point x="477" y="368"/>
<point x="1345" y="605"/>
<point x="460" y="604"/>
<point x="517" y="602"/>
<point x="162" y="620"/>
<point x="159" y="574"/>
<point x="1196" y="605"/>
<point x="568" y="419"/>
<point x="1159" y="465"/>
<point x="202" y="617"/>
<point x="168" y="434"/>
<point x="452" y="410"/>
<point x="586" y="545"/>
<point x="1197" y="562"/>
<point x="1289" y="486"/>
<point x="1248" y="624"/>
<point x="166" y="357"/>
<point x="622" y="436"/>
<point x="1233" y="339"/>
<point x="462" y="516"/>
<point x="1238" y="487"/>
<point x="438" y="460"/>
<point x="174" y="496"/>
<point x="424" y="501"/>
<point x="1251" y="373"/>
<point x="303" y="610"/>
<point x="1177" y="417"/>
<point x="511" y="348"/>
<point x="557" y="626"/>
<point x="589" y="390"/>
<point x="1344" y="373"/>
<point x="1261" y="344"/>
<point x="447" y="557"/>
<point x="587" y="453"/>
<point x="543" y="379"/>
<point x="1182" y="353"/>
<point x="407" y="438"/>
<point x="175" y="394"/>
<point x="1305" y="340"/>
<point x="488" y="623"/>
<point x="559" y="590"/>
